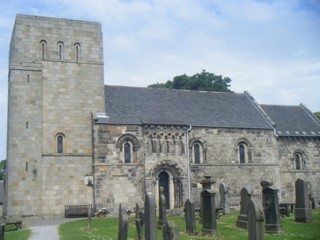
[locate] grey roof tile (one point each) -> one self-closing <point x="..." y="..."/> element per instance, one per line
<point x="134" y="105"/>
<point x="293" y="120"/>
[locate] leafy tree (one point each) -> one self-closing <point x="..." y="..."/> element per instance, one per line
<point x="2" y="168"/>
<point x="204" y="81"/>
<point x="317" y="114"/>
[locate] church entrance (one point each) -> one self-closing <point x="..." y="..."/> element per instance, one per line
<point x="164" y="182"/>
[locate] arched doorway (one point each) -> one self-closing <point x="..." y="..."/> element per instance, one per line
<point x="164" y="182"/>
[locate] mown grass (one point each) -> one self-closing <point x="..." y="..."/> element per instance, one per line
<point x="11" y="234"/>
<point x="107" y="229"/>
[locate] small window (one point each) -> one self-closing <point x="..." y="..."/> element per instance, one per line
<point x="298" y="161"/>
<point x="77" y="51"/>
<point x="127" y="153"/>
<point x="43" y="49"/>
<point x="196" y="150"/>
<point x="242" y="153"/>
<point x="60" y="50"/>
<point x="60" y="143"/>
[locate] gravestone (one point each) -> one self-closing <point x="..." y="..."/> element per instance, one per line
<point x="303" y="212"/>
<point x="150" y="217"/>
<point x="162" y="207"/>
<point x="206" y="184"/>
<point x="270" y="205"/>
<point x="170" y="231"/>
<point x="2" y="227"/>
<point x="223" y="190"/>
<point x="190" y="217"/>
<point x="139" y="223"/>
<point x="123" y="223"/>
<point x="255" y="221"/>
<point x="245" y="195"/>
<point x="209" y="222"/>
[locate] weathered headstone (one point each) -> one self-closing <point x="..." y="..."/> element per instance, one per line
<point x="162" y="207"/>
<point x="123" y="223"/>
<point x="255" y="221"/>
<point x="190" y="217"/>
<point x="223" y="190"/>
<point x="170" y="231"/>
<point x="206" y="184"/>
<point x="209" y="222"/>
<point x="245" y="195"/>
<point x="303" y="212"/>
<point x="2" y="226"/>
<point x="139" y="223"/>
<point x="270" y="205"/>
<point x="150" y="217"/>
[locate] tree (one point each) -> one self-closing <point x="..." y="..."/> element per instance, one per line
<point x="204" y="81"/>
<point x="317" y="114"/>
<point x="2" y="168"/>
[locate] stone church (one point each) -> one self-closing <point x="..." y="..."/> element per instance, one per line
<point x="74" y="141"/>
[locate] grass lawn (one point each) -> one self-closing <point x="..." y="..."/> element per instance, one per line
<point x="23" y="234"/>
<point x="107" y="228"/>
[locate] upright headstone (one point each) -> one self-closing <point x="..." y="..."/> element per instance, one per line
<point x="255" y="221"/>
<point x="139" y="223"/>
<point x="245" y="197"/>
<point x="170" y="231"/>
<point x="206" y="184"/>
<point x="2" y="226"/>
<point x="209" y="222"/>
<point x="270" y="205"/>
<point x="190" y="217"/>
<point x="223" y="190"/>
<point x="303" y="212"/>
<point x="150" y="217"/>
<point x="162" y="208"/>
<point x="123" y="223"/>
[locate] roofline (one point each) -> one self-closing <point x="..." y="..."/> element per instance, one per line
<point x="308" y="111"/>
<point x="260" y="109"/>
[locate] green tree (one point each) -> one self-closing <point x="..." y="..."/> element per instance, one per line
<point x="317" y="114"/>
<point x="204" y="81"/>
<point x="2" y="168"/>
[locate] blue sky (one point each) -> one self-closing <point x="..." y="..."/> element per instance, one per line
<point x="269" y="48"/>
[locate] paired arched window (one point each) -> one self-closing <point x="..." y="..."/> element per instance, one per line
<point x="60" y="50"/>
<point x="43" y="49"/>
<point x="60" y="143"/>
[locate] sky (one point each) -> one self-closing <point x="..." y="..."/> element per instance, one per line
<point x="270" y="48"/>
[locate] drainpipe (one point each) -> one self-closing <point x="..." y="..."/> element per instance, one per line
<point x="188" y="158"/>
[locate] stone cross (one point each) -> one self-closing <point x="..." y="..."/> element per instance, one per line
<point x="190" y="217"/>
<point x="209" y="222"/>
<point x="162" y="207"/>
<point x="245" y="195"/>
<point x="150" y="217"/>
<point x="223" y="190"/>
<point x="255" y="221"/>
<point x="139" y="223"/>
<point x="271" y="207"/>
<point x="303" y="212"/>
<point x="123" y="223"/>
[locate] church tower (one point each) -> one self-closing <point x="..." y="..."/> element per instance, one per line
<point x="55" y="85"/>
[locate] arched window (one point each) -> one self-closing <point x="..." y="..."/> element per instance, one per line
<point x="196" y="151"/>
<point x="243" y="149"/>
<point x="298" y="161"/>
<point x="127" y="153"/>
<point x="60" y="50"/>
<point x="60" y="143"/>
<point x="77" y="51"/>
<point x="43" y="49"/>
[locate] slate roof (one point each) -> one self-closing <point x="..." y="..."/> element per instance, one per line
<point x="134" y="105"/>
<point x="293" y="120"/>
